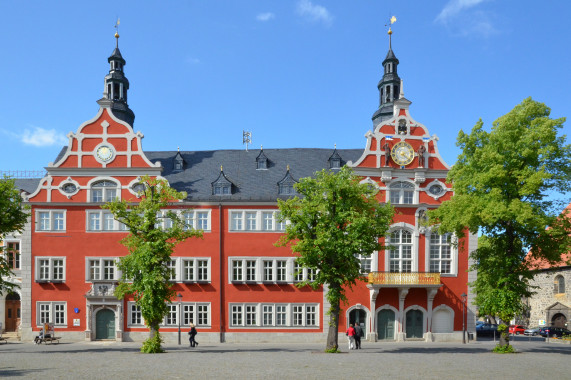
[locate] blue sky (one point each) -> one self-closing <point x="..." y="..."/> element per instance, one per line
<point x="299" y="73"/>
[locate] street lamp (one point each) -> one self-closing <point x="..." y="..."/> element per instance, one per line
<point x="179" y="297"/>
<point x="463" y="295"/>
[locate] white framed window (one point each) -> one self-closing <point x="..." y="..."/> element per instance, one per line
<point x="401" y="193"/>
<point x="102" y="220"/>
<point x="104" y="191"/>
<point x="49" y="269"/>
<point x="274" y="315"/>
<point x="190" y="312"/>
<point x="135" y="315"/>
<point x="366" y="263"/>
<point x="197" y="219"/>
<point x="101" y="269"/>
<point x="268" y="269"/>
<point x="440" y="253"/>
<point x="50" y="220"/>
<point x="255" y="221"/>
<point x="189" y="269"/>
<point x="12" y="254"/>
<point x="400" y="253"/>
<point x="51" y="312"/>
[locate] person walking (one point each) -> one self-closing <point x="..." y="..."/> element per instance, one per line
<point x="358" y="335"/>
<point x="192" y="334"/>
<point x="351" y="336"/>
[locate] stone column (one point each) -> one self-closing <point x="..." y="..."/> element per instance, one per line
<point x="430" y="294"/>
<point x="402" y="296"/>
<point x="372" y="337"/>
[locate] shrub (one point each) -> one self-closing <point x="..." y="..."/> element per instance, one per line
<point x="505" y="349"/>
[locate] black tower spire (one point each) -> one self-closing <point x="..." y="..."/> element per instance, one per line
<point x="116" y="87"/>
<point x="389" y="86"/>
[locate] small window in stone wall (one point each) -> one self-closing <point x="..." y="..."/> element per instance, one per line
<point x="559" y="285"/>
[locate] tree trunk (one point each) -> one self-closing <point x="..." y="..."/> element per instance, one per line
<point x="333" y="333"/>
<point x="505" y="336"/>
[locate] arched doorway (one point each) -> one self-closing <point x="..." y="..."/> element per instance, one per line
<point x="12" y="314"/>
<point x="386" y="324"/>
<point x="105" y="324"/>
<point x="559" y="320"/>
<point x="359" y="317"/>
<point x="414" y="324"/>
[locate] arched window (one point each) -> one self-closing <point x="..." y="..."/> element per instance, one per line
<point x="401" y="193"/>
<point x="559" y="285"/>
<point x="400" y="254"/>
<point x="103" y="191"/>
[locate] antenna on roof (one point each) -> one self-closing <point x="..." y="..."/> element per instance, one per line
<point x="246" y="138"/>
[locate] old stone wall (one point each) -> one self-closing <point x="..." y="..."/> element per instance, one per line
<point x="544" y="297"/>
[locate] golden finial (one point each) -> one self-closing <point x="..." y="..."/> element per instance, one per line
<point x="335" y="145"/>
<point x="178" y="148"/>
<point x="117" y="31"/>
<point x="261" y="147"/>
<point x="288" y="168"/>
<point x="221" y="168"/>
<point x="390" y="32"/>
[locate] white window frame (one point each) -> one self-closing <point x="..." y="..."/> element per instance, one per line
<point x="135" y="312"/>
<point x="196" y="220"/>
<point x="103" y="218"/>
<point x="399" y="248"/>
<point x="101" y="266"/>
<point x="180" y="269"/>
<point x="281" y="271"/>
<point x="453" y="255"/>
<point x="52" y="214"/>
<point x="401" y="192"/>
<point x="51" y="275"/>
<point x="250" y="220"/>
<point x="17" y="258"/>
<point x="105" y="197"/>
<point x="48" y="307"/>
<point x="198" y="313"/>
<point x="271" y="315"/>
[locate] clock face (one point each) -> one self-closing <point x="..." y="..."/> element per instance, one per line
<point x="402" y="153"/>
<point x="104" y="153"/>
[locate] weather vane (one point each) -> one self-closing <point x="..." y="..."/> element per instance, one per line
<point x="392" y="20"/>
<point x="117" y="31"/>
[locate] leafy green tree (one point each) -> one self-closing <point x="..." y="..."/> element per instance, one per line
<point x="335" y="218"/>
<point x="145" y="274"/>
<point x="508" y="185"/>
<point x="13" y="217"/>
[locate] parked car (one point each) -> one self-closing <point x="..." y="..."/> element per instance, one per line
<point x="516" y="329"/>
<point x="533" y="331"/>
<point x="554" y="332"/>
<point x="487" y="329"/>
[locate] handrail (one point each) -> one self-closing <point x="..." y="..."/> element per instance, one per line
<point x="395" y="278"/>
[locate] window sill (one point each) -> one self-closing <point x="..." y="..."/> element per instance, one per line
<point x="50" y="281"/>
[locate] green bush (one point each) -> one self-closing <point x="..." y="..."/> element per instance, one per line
<point x="334" y="350"/>
<point x="505" y="349"/>
<point x="153" y="345"/>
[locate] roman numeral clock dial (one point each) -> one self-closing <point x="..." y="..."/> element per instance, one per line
<point x="402" y="153"/>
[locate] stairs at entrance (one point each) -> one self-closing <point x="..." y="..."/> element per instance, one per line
<point x="11" y="336"/>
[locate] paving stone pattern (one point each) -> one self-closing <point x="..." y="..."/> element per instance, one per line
<point x="408" y="360"/>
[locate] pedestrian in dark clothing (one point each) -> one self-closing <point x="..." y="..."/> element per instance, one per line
<point x="192" y="334"/>
<point x="358" y="335"/>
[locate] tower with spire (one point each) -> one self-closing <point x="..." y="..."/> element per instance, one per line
<point x="389" y="85"/>
<point x="116" y="87"/>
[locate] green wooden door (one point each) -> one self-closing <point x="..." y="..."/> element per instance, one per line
<point x="386" y="324"/>
<point x="414" y="324"/>
<point x="105" y="324"/>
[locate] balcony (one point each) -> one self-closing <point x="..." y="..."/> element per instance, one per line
<point x="417" y="279"/>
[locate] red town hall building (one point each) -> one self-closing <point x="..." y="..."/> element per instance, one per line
<point x="235" y="284"/>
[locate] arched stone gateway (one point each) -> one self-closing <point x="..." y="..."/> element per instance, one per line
<point x="13" y="313"/>
<point x="559" y="320"/>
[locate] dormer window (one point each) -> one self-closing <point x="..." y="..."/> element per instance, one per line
<point x="261" y="161"/>
<point x="178" y="163"/>
<point x="335" y="160"/>
<point x="285" y="186"/>
<point x="222" y="185"/>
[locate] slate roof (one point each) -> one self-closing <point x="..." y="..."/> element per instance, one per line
<point x="29" y="185"/>
<point x="239" y="166"/>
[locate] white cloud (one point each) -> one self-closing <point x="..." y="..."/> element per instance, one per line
<point x="265" y="16"/>
<point x="461" y="18"/>
<point x="314" y="12"/>
<point x="42" y="137"/>
<point x="454" y="7"/>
